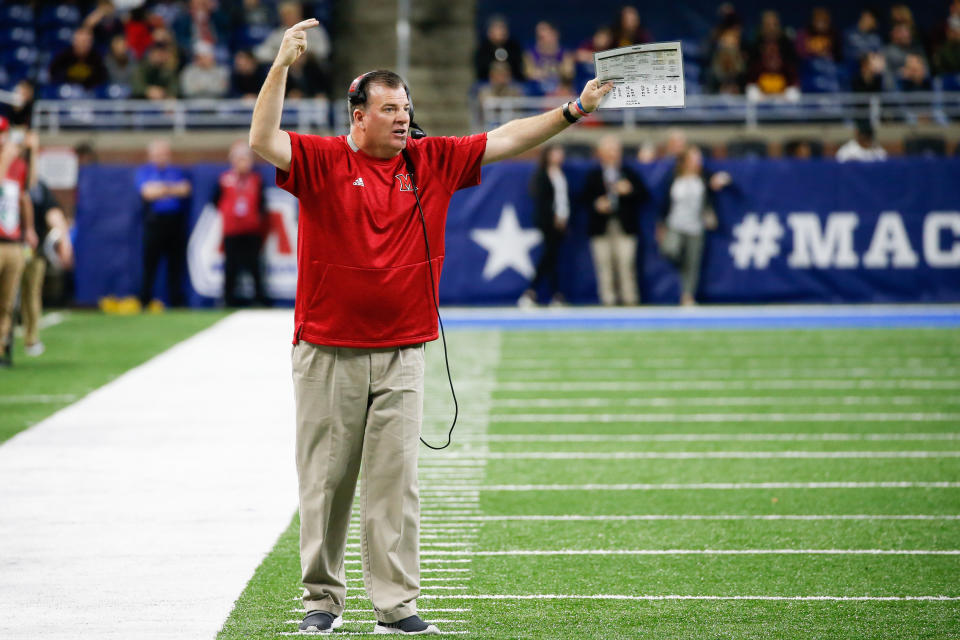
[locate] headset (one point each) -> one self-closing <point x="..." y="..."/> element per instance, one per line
<point x="357" y="95"/>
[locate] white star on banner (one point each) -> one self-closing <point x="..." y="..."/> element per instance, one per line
<point x="508" y="245"/>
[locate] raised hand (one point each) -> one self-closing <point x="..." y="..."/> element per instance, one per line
<point x="294" y="42"/>
<point x="593" y="92"/>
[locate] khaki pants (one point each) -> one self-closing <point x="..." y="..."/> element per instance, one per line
<point x="11" y="267"/>
<point x="31" y="298"/>
<point x="359" y="409"/>
<point x="614" y="256"/>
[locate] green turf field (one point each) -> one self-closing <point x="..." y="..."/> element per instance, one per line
<point x="84" y="351"/>
<point x="687" y="484"/>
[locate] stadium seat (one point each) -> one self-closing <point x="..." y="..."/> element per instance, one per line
<point x="20" y="35"/>
<point x="929" y="146"/>
<point x="747" y="149"/>
<point x="114" y="92"/>
<point x="16" y="14"/>
<point x="59" y="14"/>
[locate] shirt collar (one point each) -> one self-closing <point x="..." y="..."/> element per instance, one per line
<point x="353" y="145"/>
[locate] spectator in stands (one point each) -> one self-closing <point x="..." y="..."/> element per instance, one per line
<point x="551" y="213"/>
<point x="727" y="18"/>
<point x="307" y="78"/>
<point x="247" y="76"/>
<point x="498" y="46"/>
<point x="914" y="75"/>
<point x="614" y="193"/>
<point x="104" y="23"/>
<point x="21" y="114"/>
<point x="251" y="12"/>
<point x="728" y="65"/>
<point x="204" y="78"/>
<point x="863" y="38"/>
<point x="16" y="228"/>
<point x="201" y="22"/>
<point x="819" y="39"/>
<point x="547" y="62"/>
<point x="241" y="201"/>
<point x="79" y="64"/>
<point x="156" y="76"/>
<point x="601" y="40"/>
<point x="318" y="42"/>
<point x="863" y="147"/>
<point x="164" y="191"/>
<point x="627" y="29"/>
<point x="900" y="14"/>
<point x="902" y="44"/>
<point x="138" y="32"/>
<point x="119" y="62"/>
<point x="947" y="57"/>
<point x="687" y="213"/>
<point x="773" y="69"/>
<point x="871" y="76"/>
<point x="501" y="84"/>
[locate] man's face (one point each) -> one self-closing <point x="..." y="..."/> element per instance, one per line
<point x="159" y="153"/>
<point x="386" y="120"/>
<point x="82" y="42"/>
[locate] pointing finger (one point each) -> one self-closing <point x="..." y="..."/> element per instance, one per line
<point x="306" y="24"/>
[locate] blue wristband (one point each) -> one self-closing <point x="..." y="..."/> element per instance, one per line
<point x="580" y="106"/>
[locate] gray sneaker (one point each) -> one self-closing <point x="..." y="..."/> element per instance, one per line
<point x="320" y="622"/>
<point x="410" y="626"/>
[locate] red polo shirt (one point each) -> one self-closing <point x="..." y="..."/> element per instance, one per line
<point x="362" y="277"/>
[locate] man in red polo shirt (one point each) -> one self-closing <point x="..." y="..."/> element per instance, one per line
<point x="364" y="309"/>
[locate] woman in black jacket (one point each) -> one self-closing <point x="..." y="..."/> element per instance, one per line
<point x="613" y="194"/>
<point x="551" y="212"/>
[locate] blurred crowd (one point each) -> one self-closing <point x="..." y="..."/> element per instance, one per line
<point x="885" y="51"/>
<point x="156" y="49"/>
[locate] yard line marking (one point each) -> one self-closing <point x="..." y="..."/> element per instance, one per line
<point x="657" y="362"/>
<point x="930" y="598"/>
<point x="718" y="437"/>
<point x="725" y="417"/>
<point x="692" y="552"/>
<point x="39" y="398"/>
<point x="721" y="486"/>
<point x="341" y="632"/>
<point x="723" y="401"/>
<point x="712" y="455"/>
<point x="668" y="517"/>
<point x="696" y="373"/>
<point x="374" y="621"/>
<point x="723" y="385"/>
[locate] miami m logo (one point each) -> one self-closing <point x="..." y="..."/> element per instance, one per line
<point x="405" y="183"/>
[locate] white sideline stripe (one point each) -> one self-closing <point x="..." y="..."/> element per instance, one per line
<point x="47" y="320"/>
<point x="717" y="437"/>
<point x="693" y="552"/>
<point x="698" y="373"/>
<point x="658" y="517"/>
<point x="723" y="385"/>
<point x="725" y="417"/>
<point x="712" y="455"/>
<point x="733" y="486"/>
<point x="932" y="598"/>
<point x="186" y="497"/>
<point x="39" y="398"/>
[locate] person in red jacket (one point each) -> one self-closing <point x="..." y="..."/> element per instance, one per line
<point x="239" y="198"/>
<point x="364" y="309"/>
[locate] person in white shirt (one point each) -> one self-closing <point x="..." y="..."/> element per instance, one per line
<point x="863" y="147"/>
<point x="688" y="213"/>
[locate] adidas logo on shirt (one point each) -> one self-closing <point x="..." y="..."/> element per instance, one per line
<point x="358" y="182"/>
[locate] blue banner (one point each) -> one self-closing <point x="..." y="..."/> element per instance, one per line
<point x="790" y="231"/>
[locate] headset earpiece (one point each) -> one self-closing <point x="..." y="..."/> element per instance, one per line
<point x="357" y="93"/>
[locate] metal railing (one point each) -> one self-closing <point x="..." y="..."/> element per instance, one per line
<point x="180" y="116"/>
<point x="937" y="106"/>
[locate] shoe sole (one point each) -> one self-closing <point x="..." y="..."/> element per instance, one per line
<point x="337" y="623"/>
<point x="431" y="630"/>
